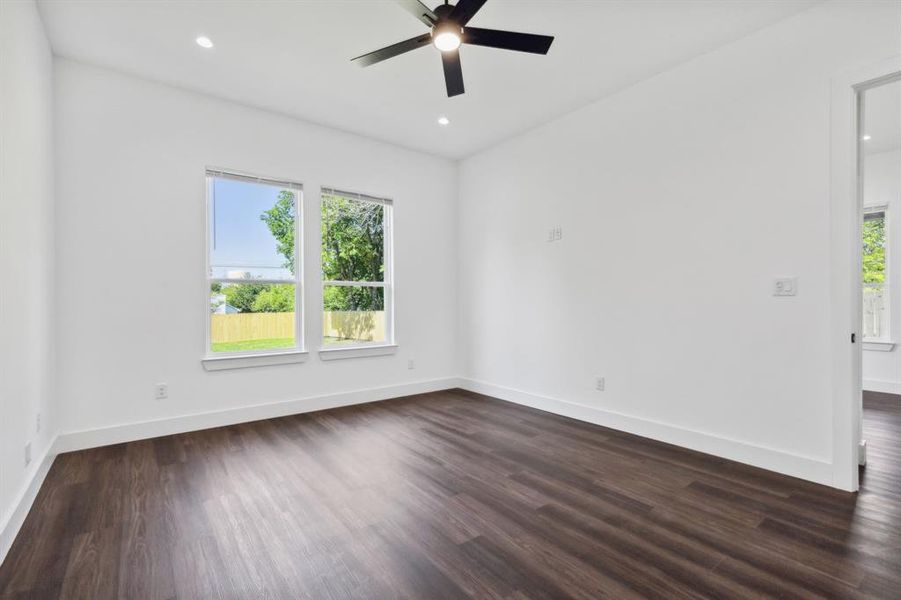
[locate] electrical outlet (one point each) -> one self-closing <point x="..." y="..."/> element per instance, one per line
<point x="600" y="384"/>
<point x="27" y="454"/>
<point x="161" y="391"/>
<point x="37" y="424"/>
<point x="411" y="364"/>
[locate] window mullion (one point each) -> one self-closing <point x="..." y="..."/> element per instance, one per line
<point x="355" y="283"/>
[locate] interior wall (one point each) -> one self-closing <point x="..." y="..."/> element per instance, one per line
<point x="26" y="254"/>
<point x="882" y="187"/>
<point x="679" y="201"/>
<point x="131" y="161"/>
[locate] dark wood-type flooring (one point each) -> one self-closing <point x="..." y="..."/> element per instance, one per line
<point x="449" y="495"/>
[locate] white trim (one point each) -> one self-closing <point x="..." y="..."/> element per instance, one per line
<point x="338" y="283"/>
<point x="338" y="353"/>
<point x="128" y="432"/>
<point x="355" y="195"/>
<point x="238" y="175"/>
<point x="261" y="281"/>
<point x="387" y="283"/>
<point x="878" y="345"/>
<point x="772" y="459"/>
<point x="388" y="275"/>
<point x="243" y="361"/>
<point x="215" y="362"/>
<point x="13" y="520"/>
<point x="845" y="215"/>
<point x="300" y="309"/>
<point x="879" y="385"/>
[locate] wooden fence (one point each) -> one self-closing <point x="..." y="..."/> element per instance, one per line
<point x="240" y="327"/>
<point x="362" y="325"/>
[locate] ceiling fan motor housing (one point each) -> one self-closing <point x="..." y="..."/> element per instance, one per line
<point x="443" y="11"/>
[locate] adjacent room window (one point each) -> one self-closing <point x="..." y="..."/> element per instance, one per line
<point x="356" y="269"/>
<point x="254" y="267"/>
<point x="875" y="275"/>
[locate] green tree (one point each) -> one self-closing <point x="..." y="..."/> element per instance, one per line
<point x="243" y="295"/>
<point x="874" y="250"/>
<point x="353" y="243"/>
<point x="276" y="298"/>
<point x="280" y="220"/>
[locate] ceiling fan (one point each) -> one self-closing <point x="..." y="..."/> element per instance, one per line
<point x="448" y="30"/>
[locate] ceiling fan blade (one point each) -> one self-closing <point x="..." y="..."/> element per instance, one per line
<point x="393" y="50"/>
<point x="465" y="10"/>
<point x="508" y="40"/>
<point x="453" y="73"/>
<point x="420" y="11"/>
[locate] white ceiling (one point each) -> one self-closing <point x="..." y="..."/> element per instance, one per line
<point x="293" y="57"/>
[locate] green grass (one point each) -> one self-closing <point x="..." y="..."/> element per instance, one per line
<point x="243" y="346"/>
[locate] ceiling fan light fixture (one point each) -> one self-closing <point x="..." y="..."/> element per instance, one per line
<point x="449" y="28"/>
<point x="447" y="37"/>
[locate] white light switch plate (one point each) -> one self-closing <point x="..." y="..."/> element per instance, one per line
<point x="785" y="286"/>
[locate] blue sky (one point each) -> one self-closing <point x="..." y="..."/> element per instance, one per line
<point x="239" y="240"/>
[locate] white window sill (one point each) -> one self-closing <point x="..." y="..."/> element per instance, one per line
<point x="357" y="351"/>
<point x="243" y="361"/>
<point x="879" y="345"/>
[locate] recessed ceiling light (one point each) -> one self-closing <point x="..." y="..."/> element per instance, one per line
<point x="867" y="138"/>
<point x="204" y="42"/>
<point x="443" y="121"/>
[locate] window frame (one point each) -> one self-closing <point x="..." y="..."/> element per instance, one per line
<point x="249" y="358"/>
<point x="374" y="348"/>
<point x="886" y="285"/>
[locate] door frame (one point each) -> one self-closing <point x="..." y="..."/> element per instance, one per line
<point x="846" y="214"/>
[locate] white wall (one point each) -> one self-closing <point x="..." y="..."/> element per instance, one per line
<point x="882" y="187"/>
<point x="680" y="200"/>
<point x="131" y="158"/>
<point x="26" y="255"/>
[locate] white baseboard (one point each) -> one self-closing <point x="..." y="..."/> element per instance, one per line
<point x="13" y="520"/>
<point x="771" y="459"/>
<point x="878" y="385"/>
<point x="128" y="432"/>
<point x="92" y="438"/>
<point x="766" y="458"/>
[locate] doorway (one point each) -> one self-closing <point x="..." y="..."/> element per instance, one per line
<point x="879" y="190"/>
<point x="850" y="92"/>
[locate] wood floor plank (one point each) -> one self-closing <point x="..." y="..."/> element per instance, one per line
<point x="451" y="495"/>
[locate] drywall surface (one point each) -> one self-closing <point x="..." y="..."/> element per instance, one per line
<point x="679" y="201"/>
<point x="131" y="161"/>
<point x="26" y="257"/>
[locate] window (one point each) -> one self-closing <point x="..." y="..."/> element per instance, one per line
<point x="875" y="275"/>
<point x="254" y="266"/>
<point x="356" y="270"/>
